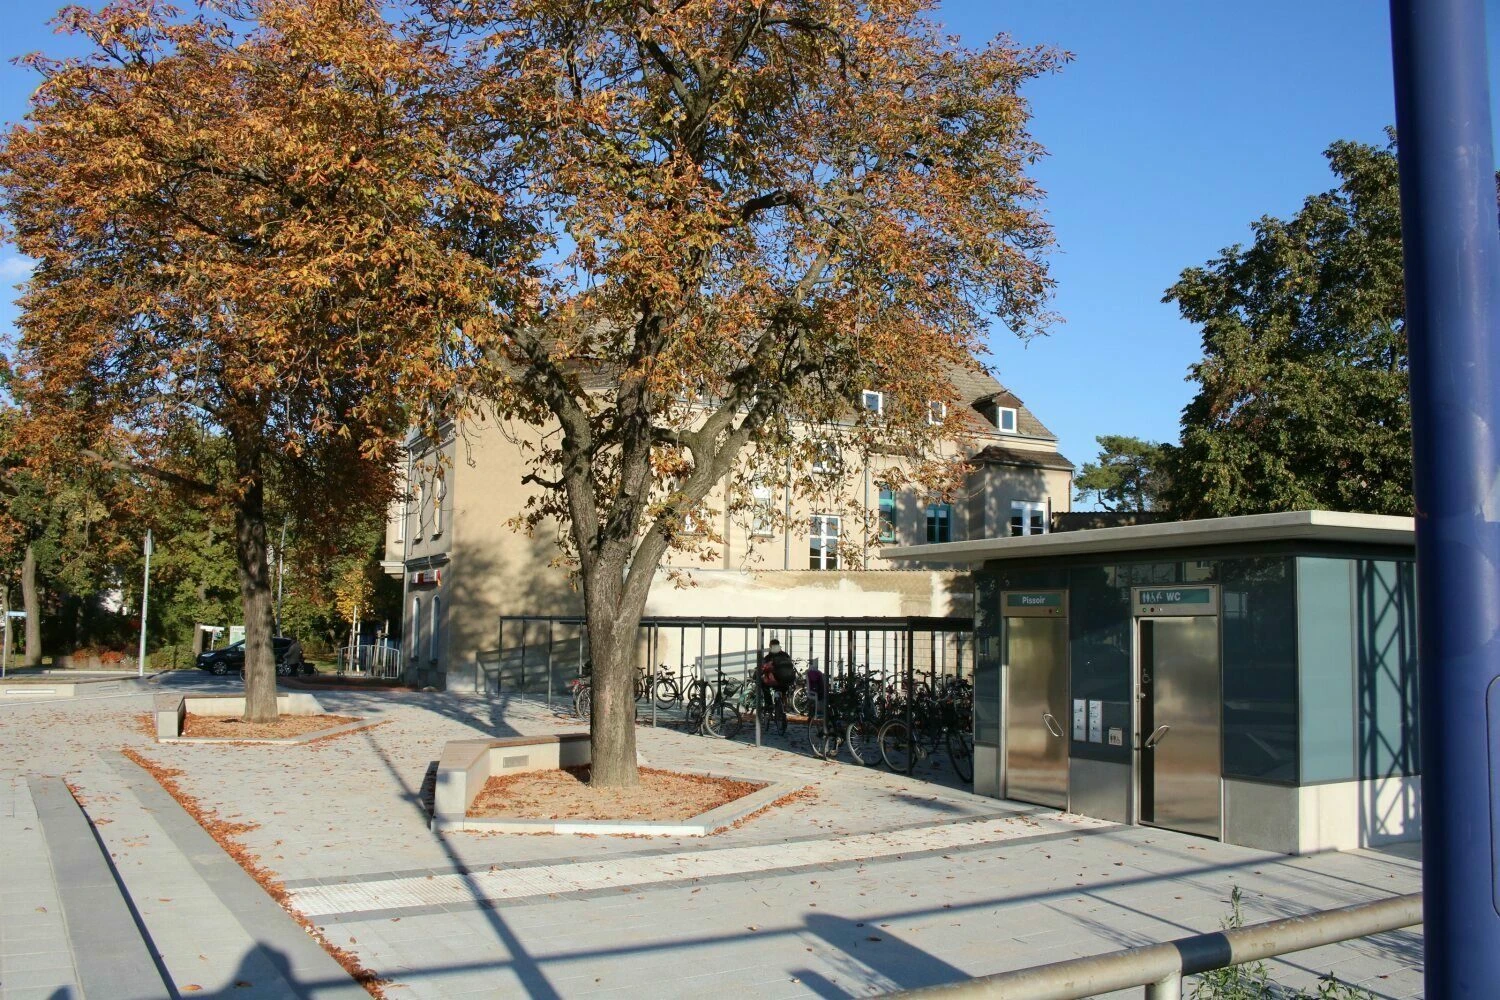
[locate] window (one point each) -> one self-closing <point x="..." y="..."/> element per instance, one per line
<point x="939" y="522"/>
<point x="873" y="401"/>
<point x="937" y="412"/>
<point x="1028" y="517"/>
<point x="887" y="515"/>
<point x="432" y="638"/>
<point x="416" y="628"/>
<point x="1005" y="419"/>
<point x="421" y="509"/>
<point x="823" y="542"/>
<point x="827" y="458"/>
<point x="439" y="491"/>
<point x="762" y="514"/>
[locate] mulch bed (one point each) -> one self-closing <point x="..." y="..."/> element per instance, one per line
<point x="566" y="794"/>
<point x="207" y="727"/>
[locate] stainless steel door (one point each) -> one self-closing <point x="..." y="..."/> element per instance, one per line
<point x="1036" y="698"/>
<point x="1180" y="774"/>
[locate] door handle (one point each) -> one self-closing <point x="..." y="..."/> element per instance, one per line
<point x="1051" y="723"/>
<point x="1157" y="735"/>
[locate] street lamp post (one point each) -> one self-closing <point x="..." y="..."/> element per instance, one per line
<point x="140" y="663"/>
<point x="1451" y="249"/>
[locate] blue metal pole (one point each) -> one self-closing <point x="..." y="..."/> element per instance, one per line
<point x="1452" y="257"/>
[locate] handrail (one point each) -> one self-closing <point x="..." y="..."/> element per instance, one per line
<point x="1160" y="967"/>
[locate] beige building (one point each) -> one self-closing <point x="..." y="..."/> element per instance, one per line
<point x="465" y="563"/>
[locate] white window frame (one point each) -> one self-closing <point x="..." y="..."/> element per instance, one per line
<point x="818" y="529"/>
<point x="1026" y="508"/>
<point x="762" y="502"/>
<point x="1015" y="420"/>
<point x="873" y="394"/>
<point x="435" y="607"/>
<point x="937" y="412"/>
<point x="828" y="458"/>
<point x="416" y="627"/>
<point x="439" y="491"/>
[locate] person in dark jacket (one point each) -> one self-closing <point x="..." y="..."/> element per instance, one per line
<point x="777" y="671"/>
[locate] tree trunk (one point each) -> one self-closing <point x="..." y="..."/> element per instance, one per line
<point x="612" y="710"/>
<point x="255" y="595"/>
<point x="612" y="706"/>
<point x="31" y="600"/>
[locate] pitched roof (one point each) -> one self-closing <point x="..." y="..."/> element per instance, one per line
<point x="997" y="454"/>
<point x="976" y="388"/>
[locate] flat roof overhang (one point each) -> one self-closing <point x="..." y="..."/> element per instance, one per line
<point x="1299" y="525"/>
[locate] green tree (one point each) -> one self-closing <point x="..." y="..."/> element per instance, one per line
<point x="1302" y="391"/>
<point x="1129" y="475"/>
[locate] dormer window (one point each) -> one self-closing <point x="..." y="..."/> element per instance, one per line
<point x="937" y="412"/>
<point x="872" y="401"/>
<point x="1005" y="419"/>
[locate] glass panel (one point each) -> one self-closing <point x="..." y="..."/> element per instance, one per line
<point x="1007" y="419"/>
<point x="1099" y="625"/>
<point x="1260" y="669"/>
<point x="1325" y="668"/>
<point x="939" y="522"/>
<point x="1386" y="633"/>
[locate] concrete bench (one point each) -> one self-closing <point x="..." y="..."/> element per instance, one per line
<point x="171" y="710"/>
<point x="465" y="765"/>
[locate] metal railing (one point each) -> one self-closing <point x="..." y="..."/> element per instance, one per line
<point x="1160" y="967"/>
<point x="382" y="661"/>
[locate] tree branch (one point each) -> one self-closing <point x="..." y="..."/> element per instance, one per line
<point x="176" y="479"/>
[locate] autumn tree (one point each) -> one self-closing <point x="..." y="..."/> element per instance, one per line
<point x="1130" y="474"/>
<point x="737" y="216"/>
<point x="232" y="216"/>
<point x="1302" y="397"/>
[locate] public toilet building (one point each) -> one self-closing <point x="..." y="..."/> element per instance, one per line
<point x="1250" y="679"/>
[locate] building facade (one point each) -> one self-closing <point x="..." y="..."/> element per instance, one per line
<point x="1250" y="679"/>
<point x="465" y="561"/>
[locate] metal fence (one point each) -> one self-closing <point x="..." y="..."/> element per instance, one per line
<point x="375" y="660"/>
<point x="539" y="656"/>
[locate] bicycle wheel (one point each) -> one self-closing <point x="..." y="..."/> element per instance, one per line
<point x="799" y="700"/>
<point x="961" y="752"/>
<point x="895" y="745"/>
<point x="820" y="739"/>
<point x="693" y="720"/>
<point x="583" y="703"/>
<point x="863" y="745"/>
<point x="722" y="721"/>
<point x="666" y="692"/>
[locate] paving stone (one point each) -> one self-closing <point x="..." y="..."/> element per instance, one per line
<point x="816" y="879"/>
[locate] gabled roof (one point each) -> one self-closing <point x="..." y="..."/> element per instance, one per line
<point x="979" y="388"/>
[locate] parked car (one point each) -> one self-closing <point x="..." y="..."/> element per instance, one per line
<point x="231" y="658"/>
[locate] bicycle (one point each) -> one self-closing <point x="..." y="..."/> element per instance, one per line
<point x="823" y="732"/>
<point x="583" y="697"/>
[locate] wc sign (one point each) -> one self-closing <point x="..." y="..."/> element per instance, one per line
<point x="1176" y="600"/>
<point x="1180" y="595"/>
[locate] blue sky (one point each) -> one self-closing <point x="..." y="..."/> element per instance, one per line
<point x="1176" y="125"/>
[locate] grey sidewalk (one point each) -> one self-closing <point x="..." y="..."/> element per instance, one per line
<point x="872" y="883"/>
